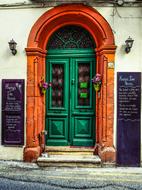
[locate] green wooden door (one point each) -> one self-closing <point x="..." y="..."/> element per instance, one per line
<point x="70" y="103"/>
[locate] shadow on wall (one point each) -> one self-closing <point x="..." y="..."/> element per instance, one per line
<point x="122" y="50"/>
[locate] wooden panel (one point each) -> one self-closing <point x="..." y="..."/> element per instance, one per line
<point x="83" y="127"/>
<point x="58" y="131"/>
<point x="57" y="102"/>
<point x="83" y="99"/>
<point x="83" y="131"/>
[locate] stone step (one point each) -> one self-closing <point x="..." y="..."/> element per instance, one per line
<point x="68" y="161"/>
<point x="69" y="151"/>
<point x="70" y="155"/>
<point x="69" y="148"/>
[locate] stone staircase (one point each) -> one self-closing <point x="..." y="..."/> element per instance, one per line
<point x="69" y="157"/>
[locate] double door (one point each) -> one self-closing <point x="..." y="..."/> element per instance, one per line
<point x="70" y="102"/>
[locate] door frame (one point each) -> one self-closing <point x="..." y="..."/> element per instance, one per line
<point x="91" y="20"/>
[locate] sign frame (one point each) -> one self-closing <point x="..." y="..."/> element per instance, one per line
<point x="13" y="100"/>
<point x="129" y="119"/>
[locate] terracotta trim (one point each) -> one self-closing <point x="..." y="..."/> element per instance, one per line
<point x="46" y="25"/>
<point x="35" y="51"/>
<point x="77" y="14"/>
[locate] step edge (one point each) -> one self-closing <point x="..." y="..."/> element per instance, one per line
<point x="47" y="160"/>
<point x="68" y="149"/>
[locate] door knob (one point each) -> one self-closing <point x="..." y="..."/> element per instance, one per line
<point x="72" y="81"/>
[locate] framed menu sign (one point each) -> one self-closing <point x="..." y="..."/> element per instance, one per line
<point x="12" y="111"/>
<point x="128" y="118"/>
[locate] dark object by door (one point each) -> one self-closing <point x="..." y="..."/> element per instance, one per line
<point x="128" y="118"/>
<point x="12" y="112"/>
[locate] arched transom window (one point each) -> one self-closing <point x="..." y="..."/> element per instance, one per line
<point x="71" y="37"/>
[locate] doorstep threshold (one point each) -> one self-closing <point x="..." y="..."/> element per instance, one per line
<point x="68" y="149"/>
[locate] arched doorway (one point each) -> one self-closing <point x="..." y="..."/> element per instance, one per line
<point x="70" y="103"/>
<point x="89" y="19"/>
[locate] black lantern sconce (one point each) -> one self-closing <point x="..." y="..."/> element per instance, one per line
<point x="12" y="46"/>
<point x="129" y="44"/>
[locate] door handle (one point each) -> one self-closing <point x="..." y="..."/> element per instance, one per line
<point x="72" y="81"/>
<point x="50" y="84"/>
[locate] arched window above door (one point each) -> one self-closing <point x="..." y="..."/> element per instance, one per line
<point x="71" y="37"/>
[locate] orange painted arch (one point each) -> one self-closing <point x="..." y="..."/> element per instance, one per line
<point x="88" y="18"/>
<point x="76" y="14"/>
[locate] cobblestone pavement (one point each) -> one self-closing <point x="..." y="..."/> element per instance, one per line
<point x="18" y="175"/>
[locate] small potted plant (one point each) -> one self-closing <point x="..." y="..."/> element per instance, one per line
<point x="97" y="81"/>
<point x="43" y="86"/>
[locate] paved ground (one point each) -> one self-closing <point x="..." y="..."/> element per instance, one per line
<point x="23" y="176"/>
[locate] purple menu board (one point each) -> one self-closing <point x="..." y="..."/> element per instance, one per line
<point x="128" y="118"/>
<point x="12" y="111"/>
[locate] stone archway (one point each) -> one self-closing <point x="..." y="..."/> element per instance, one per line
<point x="46" y="25"/>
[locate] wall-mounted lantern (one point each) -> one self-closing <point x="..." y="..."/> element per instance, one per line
<point x="129" y="44"/>
<point x="12" y="46"/>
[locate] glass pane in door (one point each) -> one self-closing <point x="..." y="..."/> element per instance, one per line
<point x="83" y="84"/>
<point x="57" y="85"/>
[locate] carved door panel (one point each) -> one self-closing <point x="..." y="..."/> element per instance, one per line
<point x="82" y="114"/>
<point x="57" y="105"/>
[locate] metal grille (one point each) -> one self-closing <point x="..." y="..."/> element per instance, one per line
<point x="71" y="37"/>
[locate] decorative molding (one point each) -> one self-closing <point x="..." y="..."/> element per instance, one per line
<point x="35" y="51"/>
<point x="36" y="60"/>
<point x="76" y="14"/>
<point x="106" y="49"/>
